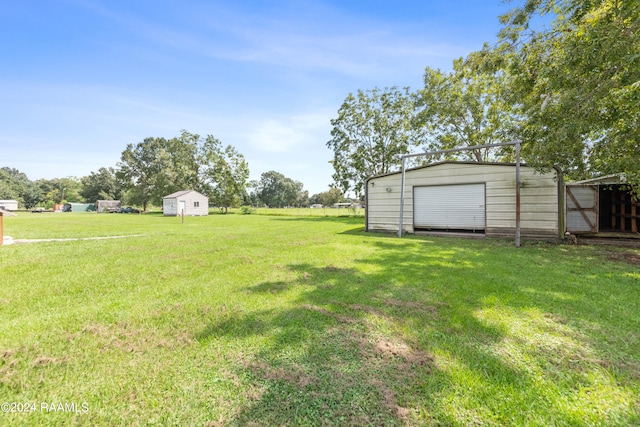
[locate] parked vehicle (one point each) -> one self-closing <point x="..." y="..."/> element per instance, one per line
<point x="129" y="209"/>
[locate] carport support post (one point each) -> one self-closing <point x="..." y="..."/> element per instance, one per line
<point x="517" y="194"/>
<point x="404" y="160"/>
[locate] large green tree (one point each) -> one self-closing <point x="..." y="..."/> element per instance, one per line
<point x="101" y="185"/>
<point x="327" y="198"/>
<point x="277" y="191"/>
<point x="142" y="169"/>
<point x="577" y="82"/>
<point x="15" y="185"/>
<point x="185" y="161"/>
<point x="32" y="196"/>
<point x="372" y="131"/>
<point x="156" y="167"/>
<point x="224" y="173"/>
<point x="465" y="108"/>
<point x="60" y="190"/>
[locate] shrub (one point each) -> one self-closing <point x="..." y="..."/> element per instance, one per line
<point x="246" y="210"/>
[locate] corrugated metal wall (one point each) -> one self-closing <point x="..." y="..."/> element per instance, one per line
<point x="539" y="197"/>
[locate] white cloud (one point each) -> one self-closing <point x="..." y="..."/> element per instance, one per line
<point x="272" y="135"/>
<point x="282" y="135"/>
<point x="328" y="41"/>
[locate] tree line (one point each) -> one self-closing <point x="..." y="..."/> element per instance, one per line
<point x="157" y="166"/>
<point x="568" y="90"/>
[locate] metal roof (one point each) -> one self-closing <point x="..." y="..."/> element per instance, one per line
<point x="616" y="178"/>
<point x="462" y="162"/>
<point x="182" y="193"/>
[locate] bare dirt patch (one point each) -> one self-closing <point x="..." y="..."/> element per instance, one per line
<point x="389" y="398"/>
<point x="131" y="340"/>
<point x="410" y="358"/>
<point x="340" y="318"/>
<point x="291" y="375"/>
<point x="379" y="367"/>
<point x="411" y="305"/>
<point x="633" y="368"/>
<point x="6" y="354"/>
<point x="555" y="318"/>
<point x="45" y="361"/>
<point x="401" y="364"/>
<point x="628" y="257"/>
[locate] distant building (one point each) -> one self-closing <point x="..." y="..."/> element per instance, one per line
<point x="189" y="202"/>
<point x="108" y="205"/>
<point x="9" y="205"/>
<point x="78" y="207"/>
<point x="467" y="197"/>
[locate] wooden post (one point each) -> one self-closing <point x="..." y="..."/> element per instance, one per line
<point x="1" y="230"/>
<point x="623" y="211"/>
<point x="183" y="216"/>
<point x="402" y="184"/>
<point x="613" y="210"/>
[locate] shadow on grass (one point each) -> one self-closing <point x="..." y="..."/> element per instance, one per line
<point x="443" y="333"/>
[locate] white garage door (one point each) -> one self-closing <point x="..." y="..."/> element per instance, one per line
<point x="449" y="207"/>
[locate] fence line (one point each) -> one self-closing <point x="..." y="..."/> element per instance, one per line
<point x="309" y="212"/>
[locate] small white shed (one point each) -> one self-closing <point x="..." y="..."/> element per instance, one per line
<point x="190" y="202"/>
<point x="9" y="205"/>
<point x="467" y="197"/>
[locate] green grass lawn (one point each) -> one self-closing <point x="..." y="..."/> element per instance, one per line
<point x="303" y="212"/>
<point x="272" y="320"/>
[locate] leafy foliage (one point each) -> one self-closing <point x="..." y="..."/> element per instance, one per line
<point x="578" y="83"/>
<point x="15" y="185"/>
<point x="101" y="185"/>
<point x="277" y="191"/>
<point x="143" y="169"/>
<point x="224" y="173"/>
<point x="61" y="190"/>
<point x="465" y="108"/>
<point x="328" y="198"/>
<point x="564" y="79"/>
<point x="371" y="133"/>
<point x="156" y="167"/>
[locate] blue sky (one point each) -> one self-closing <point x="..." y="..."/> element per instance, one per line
<point x="81" y="79"/>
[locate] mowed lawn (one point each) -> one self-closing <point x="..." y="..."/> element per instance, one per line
<point x="273" y="320"/>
